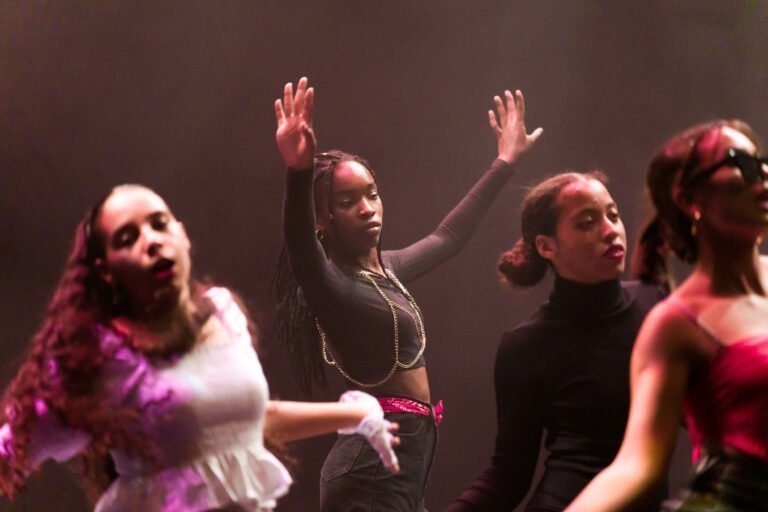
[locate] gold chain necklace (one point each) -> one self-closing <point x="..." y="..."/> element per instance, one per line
<point x="416" y="316"/>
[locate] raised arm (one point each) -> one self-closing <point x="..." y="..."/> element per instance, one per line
<point x="296" y="143"/>
<point x="508" y="125"/>
<point x="295" y="136"/>
<point x="355" y="413"/>
<point x="660" y="367"/>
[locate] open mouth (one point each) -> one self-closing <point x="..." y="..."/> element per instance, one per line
<point x="163" y="268"/>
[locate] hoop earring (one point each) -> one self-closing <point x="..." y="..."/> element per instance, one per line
<point x="695" y="223"/>
<point x="320" y="233"/>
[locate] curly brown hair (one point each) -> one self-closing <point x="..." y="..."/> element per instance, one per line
<point x="62" y="367"/>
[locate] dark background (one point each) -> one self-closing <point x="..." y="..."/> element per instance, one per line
<point x="178" y="96"/>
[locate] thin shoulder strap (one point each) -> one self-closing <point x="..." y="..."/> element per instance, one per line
<point x="688" y="312"/>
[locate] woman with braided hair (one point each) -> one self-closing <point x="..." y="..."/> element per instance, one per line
<point x="351" y="307"/>
<point x="139" y="363"/>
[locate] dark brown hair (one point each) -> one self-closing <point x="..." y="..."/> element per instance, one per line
<point x="63" y="363"/>
<point x="62" y="369"/>
<point x="522" y="265"/>
<point x="670" y="227"/>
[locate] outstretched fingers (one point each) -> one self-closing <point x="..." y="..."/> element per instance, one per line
<point x="520" y="103"/>
<point x="300" y="96"/>
<point x="279" y="112"/>
<point x="501" y="109"/>
<point x="288" y="99"/>
<point x="535" y="134"/>
<point x="511" y="102"/>
<point x="494" y="124"/>
<point x="309" y="106"/>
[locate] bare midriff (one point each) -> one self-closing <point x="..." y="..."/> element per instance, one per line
<point x="410" y="383"/>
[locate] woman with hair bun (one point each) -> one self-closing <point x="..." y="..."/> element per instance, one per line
<point x="564" y="372"/>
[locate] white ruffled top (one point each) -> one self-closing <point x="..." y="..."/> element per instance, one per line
<point x="204" y="411"/>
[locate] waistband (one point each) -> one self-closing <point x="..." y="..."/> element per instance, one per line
<point x="728" y="480"/>
<point x="412" y="406"/>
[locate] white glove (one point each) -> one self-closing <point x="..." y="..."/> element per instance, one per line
<point x="374" y="428"/>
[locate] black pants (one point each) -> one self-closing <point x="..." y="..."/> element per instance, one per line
<point x="353" y="477"/>
<point x="732" y="482"/>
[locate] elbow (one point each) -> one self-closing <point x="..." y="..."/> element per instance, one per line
<point x="272" y="427"/>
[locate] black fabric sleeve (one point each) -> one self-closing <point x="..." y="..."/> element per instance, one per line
<point x="454" y="230"/>
<point x="319" y="280"/>
<point x="520" y="403"/>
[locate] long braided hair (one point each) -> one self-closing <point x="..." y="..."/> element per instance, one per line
<point x="295" y="326"/>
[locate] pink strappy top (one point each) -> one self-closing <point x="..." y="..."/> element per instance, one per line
<point x="726" y="405"/>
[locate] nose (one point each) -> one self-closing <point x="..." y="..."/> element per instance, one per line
<point x="152" y="241"/>
<point x="610" y="229"/>
<point x="366" y="208"/>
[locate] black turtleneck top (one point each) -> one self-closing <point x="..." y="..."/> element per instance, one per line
<point x="564" y="371"/>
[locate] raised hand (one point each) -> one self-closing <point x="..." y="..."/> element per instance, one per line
<point x="295" y="137"/>
<point x="508" y="124"/>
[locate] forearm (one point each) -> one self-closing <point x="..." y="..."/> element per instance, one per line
<point x="291" y="421"/>
<point x="624" y="485"/>
<point x="463" y="219"/>
<point x="456" y="228"/>
<point x="495" y="490"/>
<point x="304" y="251"/>
<point x="519" y="412"/>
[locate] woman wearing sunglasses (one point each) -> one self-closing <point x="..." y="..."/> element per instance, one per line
<point x="704" y="350"/>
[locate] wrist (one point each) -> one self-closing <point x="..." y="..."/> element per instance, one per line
<point x="504" y="162"/>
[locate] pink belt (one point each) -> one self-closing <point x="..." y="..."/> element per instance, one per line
<point x="402" y="404"/>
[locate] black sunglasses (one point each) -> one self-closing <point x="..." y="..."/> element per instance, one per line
<point x="750" y="166"/>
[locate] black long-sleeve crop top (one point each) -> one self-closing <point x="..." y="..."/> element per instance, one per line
<point x="357" y="321"/>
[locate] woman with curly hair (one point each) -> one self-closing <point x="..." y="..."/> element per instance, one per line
<point x="137" y="362"/>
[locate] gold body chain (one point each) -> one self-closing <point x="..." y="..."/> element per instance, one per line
<point x="415" y="315"/>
